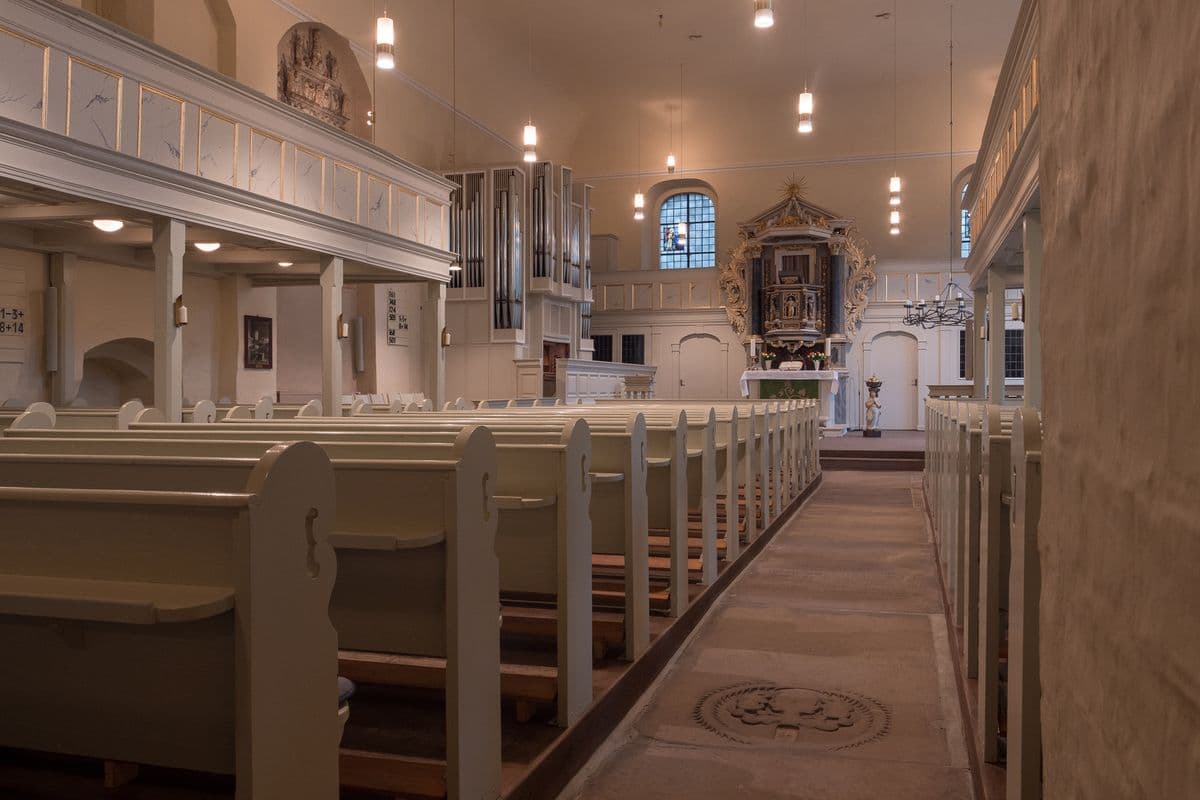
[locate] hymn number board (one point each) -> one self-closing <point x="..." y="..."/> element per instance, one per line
<point x="14" y="317"/>
<point x="397" y="323"/>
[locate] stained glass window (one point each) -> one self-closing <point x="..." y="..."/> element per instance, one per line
<point x="965" y="228"/>
<point x="687" y="232"/>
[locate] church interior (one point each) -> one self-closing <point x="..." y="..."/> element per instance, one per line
<point x="702" y="398"/>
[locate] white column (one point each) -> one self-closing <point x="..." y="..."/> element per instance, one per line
<point x="995" y="359"/>
<point x="64" y="380"/>
<point x="979" y="347"/>
<point x="332" y="277"/>
<point x="433" y="322"/>
<point x="169" y="244"/>
<point x="1033" y="309"/>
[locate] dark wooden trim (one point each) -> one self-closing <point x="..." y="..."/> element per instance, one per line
<point x="558" y="764"/>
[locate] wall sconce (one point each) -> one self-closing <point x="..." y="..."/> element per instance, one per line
<point x="445" y="337"/>
<point x="343" y="329"/>
<point x="181" y="312"/>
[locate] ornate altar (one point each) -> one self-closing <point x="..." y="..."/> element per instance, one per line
<point x="799" y="275"/>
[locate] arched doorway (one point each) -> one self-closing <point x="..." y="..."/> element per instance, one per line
<point x="703" y="368"/>
<point x="117" y="371"/>
<point x="894" y="360"/>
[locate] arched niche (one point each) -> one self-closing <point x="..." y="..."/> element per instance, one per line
<point x="117" y="371"/>
<point x="318" y="74"/>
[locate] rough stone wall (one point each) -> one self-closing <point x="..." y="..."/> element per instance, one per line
<point x="1121" y="518"/>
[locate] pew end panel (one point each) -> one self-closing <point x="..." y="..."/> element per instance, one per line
<point x="119" y="609"/>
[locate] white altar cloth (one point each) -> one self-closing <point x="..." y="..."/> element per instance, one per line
<point x="833" y="376"/>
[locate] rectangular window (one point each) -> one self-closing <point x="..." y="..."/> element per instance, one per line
<point x="603" y="348"/>
<point x="962" y="354"/>
<point x="633" y="349"/>
<point x="687" y="232"/>
<point x="1014" y="353"/>
<point x="965" y="250"/>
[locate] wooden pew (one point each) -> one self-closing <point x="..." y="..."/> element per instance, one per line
<point x="124" y="612"/>
<point x="421" y="587"/>
<point x="544" y="540"/>
<point x="98" y="418"/>
<point x="617" y="509"/>
<point x="203" y="411"/>
<point x="666" y="481"/>
<point x="293" y="410"/>
<point x="1024" y="754"/>
<point x="34" y="416"/>
<point x="264" y="408"/>
<point x="994" y="560"/>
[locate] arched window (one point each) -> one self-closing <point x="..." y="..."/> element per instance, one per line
<point x="687" y="232"/>
<point x="965" y="224"/>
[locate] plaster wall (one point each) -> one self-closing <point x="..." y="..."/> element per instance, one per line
<point x="298" y="342"/>
<point x="22" y="359"/>
<point x="1120" y="527"/>
<point x="858" y="191"/>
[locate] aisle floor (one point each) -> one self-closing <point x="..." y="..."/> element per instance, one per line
<point x="823" y="673"/>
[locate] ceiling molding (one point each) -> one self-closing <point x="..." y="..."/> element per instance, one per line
<point x="405" y="78"/>
<point x="866" y="158"/>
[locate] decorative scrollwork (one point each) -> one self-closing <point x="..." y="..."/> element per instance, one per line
<point x="860" y="278"/>
<point x="734" y="281"/>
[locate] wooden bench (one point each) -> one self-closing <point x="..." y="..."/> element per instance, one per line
<point x="619" y="503"/>
<point x="1024" y="752"/>
<point x="34" y="416"/>
<point x="542" y="489"/>
<point x="617" y="510"/>
<point x="422" y="584"/>
<point x="98" y="418"/>
<point x="124" y="612"/>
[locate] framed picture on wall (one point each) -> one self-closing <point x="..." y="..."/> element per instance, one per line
<point x="258" y="342"/>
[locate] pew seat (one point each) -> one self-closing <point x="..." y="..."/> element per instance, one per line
<point x="121" y="602"/>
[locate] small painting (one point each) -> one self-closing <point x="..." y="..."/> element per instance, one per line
<point x="259" y="343"/>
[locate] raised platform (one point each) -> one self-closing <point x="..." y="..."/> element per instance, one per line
<point x="897" y="451"/>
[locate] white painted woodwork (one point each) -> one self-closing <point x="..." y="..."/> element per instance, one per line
<point x="894" y="360"/>
<point x="332" y="279"/>
<point x="997" y="311"/>
<point x="168" y="246"/>
<point x="1032" y="277"/>
<point x="170" y="138"/>
<point x="218" y="599"/>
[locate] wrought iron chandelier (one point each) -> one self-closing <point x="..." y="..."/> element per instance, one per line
<point x="942" y="311"/>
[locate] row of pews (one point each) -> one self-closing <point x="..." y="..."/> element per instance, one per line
<point x="204" y="595"/>
<point x="983" y="489"/>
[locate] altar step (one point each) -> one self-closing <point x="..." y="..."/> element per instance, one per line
<point x="877" y="460"/>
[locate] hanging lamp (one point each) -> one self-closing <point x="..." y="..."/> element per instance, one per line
<point x="529" y="138"/>
<point x="806" y="98"/>
<point x="639" y="199"/>
<point x="894" y="183"/>
<point x="764" y="14"/>
<point x="385" y="42"/>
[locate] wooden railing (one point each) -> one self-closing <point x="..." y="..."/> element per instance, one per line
<point x="142" y="112"/>
<point x="1006" y="139"/>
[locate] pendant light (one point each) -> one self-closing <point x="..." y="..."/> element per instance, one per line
<point x="639" y="199"/>
<point x="764" y="14"/>
<point x="671" y="135"/>
<point x="806" y="98"/>
<point x="682" y="228"/>
<point x="530" y="136"/>
<point x="456" y="264"/>
<point x="385" y="42"/>
<point x="894" y="183"/>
